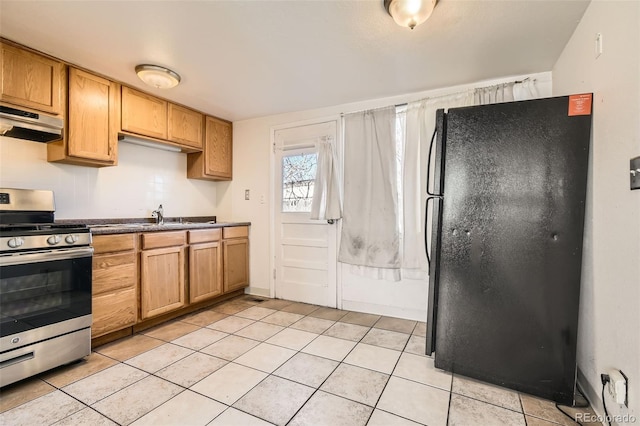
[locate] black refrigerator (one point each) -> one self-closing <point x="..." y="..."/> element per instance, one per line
<point x="507" y="210"/>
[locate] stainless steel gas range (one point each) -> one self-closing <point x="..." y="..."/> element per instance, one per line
<point x="45" y="286"/>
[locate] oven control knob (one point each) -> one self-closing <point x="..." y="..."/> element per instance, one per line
<point x="53" y="240"/>
<point x="70" y="239"/>
<point x="15" y="242"/>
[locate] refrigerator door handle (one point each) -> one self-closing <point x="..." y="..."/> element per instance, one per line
<point x="433" y="138"/>
<point x="426" y="222"/>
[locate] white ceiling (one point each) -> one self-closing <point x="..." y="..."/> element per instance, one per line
<point x="242" y="59"/>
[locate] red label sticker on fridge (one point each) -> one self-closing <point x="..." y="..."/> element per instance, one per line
<point x="580" y="104"/>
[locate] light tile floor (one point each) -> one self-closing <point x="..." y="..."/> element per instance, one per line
<point x="253" y="361"/>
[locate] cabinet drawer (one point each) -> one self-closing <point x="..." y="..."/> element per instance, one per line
<point x="114" y="311"/>
<point x="235" y="232"/>
<point x="204" y="235"/>
<point x="114" y="271"/>
<point x="113" y="243"/>
<point x="153" y="240"/>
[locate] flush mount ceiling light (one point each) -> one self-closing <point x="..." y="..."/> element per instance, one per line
<point x="157" y="76"/>
<point x="409" y="13"/>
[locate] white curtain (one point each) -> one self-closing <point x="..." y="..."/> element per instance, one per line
<point x="525" y="90"/>
<point x="370" y="188"/>
<point x="507" y="92"/>
<point x="370" y="238"/>
<point x="494" y="94"/>
<point x="326" y="189"/>
<point x="420" y="124"/>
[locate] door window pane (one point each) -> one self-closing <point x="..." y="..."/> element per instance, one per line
<point x="298" y="176"/>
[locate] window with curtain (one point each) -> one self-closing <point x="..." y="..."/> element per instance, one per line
<point x="385" y="176"/>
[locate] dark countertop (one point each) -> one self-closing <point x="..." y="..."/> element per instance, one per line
<point x="134" y="225"/>
<point x="129" y="228"/>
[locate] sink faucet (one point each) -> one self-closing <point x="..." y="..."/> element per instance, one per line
<point x="159" y="215"/>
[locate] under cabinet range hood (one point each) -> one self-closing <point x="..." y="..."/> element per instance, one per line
<point x="16" y="123"/>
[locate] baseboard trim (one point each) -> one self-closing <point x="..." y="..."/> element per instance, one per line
<point x="257" y="291"/>
<point x="389" y="311"/>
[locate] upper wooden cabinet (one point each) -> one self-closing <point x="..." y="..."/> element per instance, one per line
<point x="185" y="126"/>
<point x="143" y="114"/>
<point x="91" y="128"/>
<point x="215" y="161"/>
<point x="31" y="80"/>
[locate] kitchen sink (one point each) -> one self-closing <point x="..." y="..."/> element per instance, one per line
<point x="122" y="225"/>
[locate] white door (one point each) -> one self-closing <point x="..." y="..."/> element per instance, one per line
<point x="305" y="249"/>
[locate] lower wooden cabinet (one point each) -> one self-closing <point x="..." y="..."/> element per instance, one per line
<point x="235" y="248"/>
<point x="162" y="281"/>
<point x="205" y="264"/>
<point x="173" y="269"/>
<point x="114" y="311"/>
<point x="115" y="279"/>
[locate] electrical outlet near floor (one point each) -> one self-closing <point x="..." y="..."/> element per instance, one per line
<point x="618" y="387"/>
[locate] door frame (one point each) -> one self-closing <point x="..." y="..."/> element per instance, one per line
<point x="272" y="201"/>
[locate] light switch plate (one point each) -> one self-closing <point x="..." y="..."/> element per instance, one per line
<point x="635" y="173"/>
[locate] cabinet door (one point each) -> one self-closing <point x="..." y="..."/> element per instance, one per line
<point x="236" y="264"/>
<point x="162" y="281"/>
<point x="91" y="117"/>
<point x="205" y="271"/>
<point x="31" y="80"/>
<point x="185" y="126"/>
<point x="143" y="114"/>
<point x="218" y="149"/>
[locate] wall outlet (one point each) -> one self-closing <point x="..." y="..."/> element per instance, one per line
<point x="618" y="387"/>
<point x="246" y="194"/>
<point x="634" y="166"/>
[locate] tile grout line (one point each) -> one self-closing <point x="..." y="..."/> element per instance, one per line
<point x="369" y="328"/>
<point x="324" y="381"/>
<point x="296" y="352"/>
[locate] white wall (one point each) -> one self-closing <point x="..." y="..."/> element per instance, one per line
<point x="609" y="335"/>
<point x="252" y="153"/>
<point x="143" y="178"/>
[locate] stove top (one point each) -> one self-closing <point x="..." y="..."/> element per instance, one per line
<point x="41" y="227"/>
<point x="31" y="237"/>
<point x="27" y="224"/>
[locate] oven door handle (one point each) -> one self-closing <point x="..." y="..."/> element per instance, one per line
<point x="45" y="256"/>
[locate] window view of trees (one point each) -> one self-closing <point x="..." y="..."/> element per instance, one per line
<point x="298" y="176"/>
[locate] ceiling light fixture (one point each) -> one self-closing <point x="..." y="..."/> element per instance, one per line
<point x="157" y="76"/>
<point x="409" y="13"/>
